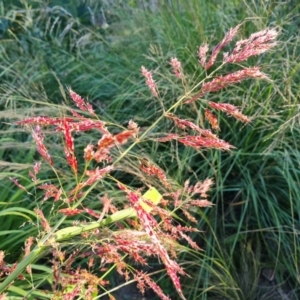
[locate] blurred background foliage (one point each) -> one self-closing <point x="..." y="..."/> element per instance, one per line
<point x="97" y="49"/>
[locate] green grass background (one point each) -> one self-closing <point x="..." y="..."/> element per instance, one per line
<point x="46" y="46"/>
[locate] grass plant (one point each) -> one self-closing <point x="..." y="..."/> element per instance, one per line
<point x="256" y="189"/>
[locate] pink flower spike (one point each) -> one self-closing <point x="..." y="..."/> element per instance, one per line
<point x="202" y="54"/>
<point x="152" y="170"/>
<point x="230" y="110"/>
<point x="106" y="142"/>
<point x="143" y="278"/>
<point x="39" y="139"/>
<point x="69" y="140"/>
<point x="122" y="137"/>
<point x="169" y="137"/>
<point x="256" y="44"/>
<point x="185" y="124"/>
<point x="33" y="177"/>
<point x="58" y="195"/>
<point x="79" y="101"/>
<point x="70" y="211"/>
<point x="69" y="148"/>
<point x="221" y="82"/>
<point x="202" y="187"/>
<point x="199" y="142"/>
<point x="102" y="155"/>
<point x="175" y="63"/>
<point x="239" y="116"/>
<point x="97" y="174"/>
<point x="43" y="121"/>
<point x="212" y="119"/>
<point x="227" y="38"/>
<point x="201" y="203"/>
<point x="225" y="107"/>
<point x="51" y="191"/>
<point x="43" y="220"/>
<point x="28" y="244"/>
<point x="88" y="124"/>
<point x="106" y="206"/>
<point x="149" y="81"/>
<point x="89" y="152"/>
<point x="77" y="115"/>
<point x="133" y="126"/>
<point x="37" y="167"/>
<point x="16" y="182"/>
<point x="190" y="241"/>
<point x="91" y="212"/>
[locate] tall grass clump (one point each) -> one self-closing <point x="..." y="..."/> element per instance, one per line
<point x="119" y="209"/>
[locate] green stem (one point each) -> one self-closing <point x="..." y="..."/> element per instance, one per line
<point x="70" y="232"/>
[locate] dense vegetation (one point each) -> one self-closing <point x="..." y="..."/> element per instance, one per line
<point x="250" y="237"/>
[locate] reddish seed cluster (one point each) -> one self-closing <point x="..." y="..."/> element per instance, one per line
<point x="69" y="148"/>
<point x="230" y="110"/>
<point x="175" y="63"/>
<point x="36" y="170"/>
<point x="86" y="125"/>
<point x="152" y="170"/>
<point x="149" y="224"/>
<point x="200" y="188"/>
<point x="16" y="182"/>
<point x="75" y="211"/>
<point x="6" y="269"/>
<point x="160" y="238"/>
<point x="221" y="82"/>
<point x="227" y="39"/>
<point x="51" y="191"/>
<point x="198" y="142"/>
<point x="70" y="211"/>
<point x="149" y="81"/>
<point x="67" y="126"/>
<point x="212" y="119"/>
<point x="258" y="43"/>
<point x="43" y="220"/>
<point x="39" y="140"/>
<point x="145" y="280"/>
<point x="183" y="124"/>
<point x="82" y="282"/>
<point x="184" y="199"/>
<point x="97" y="174"/>
<point x="107" y="142"/>
<point x="79" y="101"/>
<point x="202" y="54"/>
